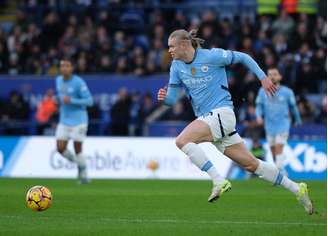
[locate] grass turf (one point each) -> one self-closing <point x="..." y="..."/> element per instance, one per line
<point x="157" y="207"/>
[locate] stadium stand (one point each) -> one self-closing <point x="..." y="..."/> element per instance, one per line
<point x="129" y="38"/>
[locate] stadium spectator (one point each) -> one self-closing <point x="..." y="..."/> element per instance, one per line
<point x="306" y="110"/>
<point x="51" y="31"/>
<point x="176" y="113"/>
<point x="120" y="114"/>
<point x="322" y="116"/>
<point x="251" y="128"/>
<point x="284" y="24"/>
<point x="4" y="54"/>
<point x="147" y="106"/>
<point x="16" y="110"/>
<point x="46" y="109"/>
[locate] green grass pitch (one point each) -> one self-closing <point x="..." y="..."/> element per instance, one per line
<point x="157" y="207"/>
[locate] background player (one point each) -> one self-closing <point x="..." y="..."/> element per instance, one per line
<point x="275" y="111"/>
<point x="74" y="97"/>
<point x="202" y="74"/>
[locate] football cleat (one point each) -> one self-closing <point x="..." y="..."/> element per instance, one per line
<point x="303" y="197"/>
<point x="218" y="190"/>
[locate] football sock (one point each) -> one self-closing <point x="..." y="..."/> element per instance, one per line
<point x="199" y="158"/>
<point x="82" y="165"/>
<point x="289" y="184"/>
<point x="68" y="155"/>
<point x="81" y="160"/>
<point x="271" y="173"/>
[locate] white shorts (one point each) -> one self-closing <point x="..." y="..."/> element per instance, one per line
<point x="222" y="123"/>
<point x="76" y="133"/>
<point x="277" y="139"/>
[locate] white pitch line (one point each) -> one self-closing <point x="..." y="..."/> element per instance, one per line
<point x="178" y="221"/>
<point x="211" y="222"/>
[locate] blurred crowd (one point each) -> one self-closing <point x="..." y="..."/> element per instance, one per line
<point x="128" y="115"/>
<point x="133" y="40"/>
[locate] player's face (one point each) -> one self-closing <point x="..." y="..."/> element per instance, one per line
<point x="66" y="68"/>
<point x="175" y="48"/>
<point x="274" y="75"/>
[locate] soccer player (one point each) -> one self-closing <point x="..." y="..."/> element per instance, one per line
<point x="275" y="111"/>
<point x="201" y="73"/>
<point x="74" y="97"/>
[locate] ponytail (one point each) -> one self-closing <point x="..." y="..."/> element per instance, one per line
<point x="195" y="42"/>
<point x="191" y="36"/>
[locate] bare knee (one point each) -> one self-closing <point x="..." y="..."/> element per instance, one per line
<point x="78" y="147"/>
<point x="251" y="166"/>
<point x="180" y="142"/>
<point x="61" y="148"/>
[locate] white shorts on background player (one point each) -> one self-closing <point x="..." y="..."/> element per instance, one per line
<point x="76" y="133"/>
<point x="222" y="123"/>
<point x="277" y="139"/>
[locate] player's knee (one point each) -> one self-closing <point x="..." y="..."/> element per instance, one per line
<point x="77" y="152"/>
<point x="180" y="142"/>
<point x="61" y="149"/>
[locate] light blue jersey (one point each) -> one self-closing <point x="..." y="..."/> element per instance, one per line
<point x="74" y="113"/>
<point x="204" y="79"/>
<point x="275" y="110"/>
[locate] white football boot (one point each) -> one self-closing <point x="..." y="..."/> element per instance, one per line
<point x="218" y="190"/>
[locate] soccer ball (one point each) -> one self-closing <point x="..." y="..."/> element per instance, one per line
<point x="153" y="165"/>
<point x="38" y="198"/>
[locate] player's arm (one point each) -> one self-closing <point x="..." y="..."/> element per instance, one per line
<point x="85" y="98"/>
<point x="293" y="108"/>
<point x="259" y="110"/>
<point x="170" y="94"/>
<point x="227" y="57"/>
<point x="60" y="96"/>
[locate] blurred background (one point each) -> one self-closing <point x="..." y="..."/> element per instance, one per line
<point x="120" y="49"/>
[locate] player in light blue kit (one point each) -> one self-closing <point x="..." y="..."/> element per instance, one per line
<point x="275" y="111"/>
<point x="201" y="73"/>
<point x="74" y="97"/>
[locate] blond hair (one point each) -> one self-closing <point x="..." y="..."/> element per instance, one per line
<point x="182" y="34"/>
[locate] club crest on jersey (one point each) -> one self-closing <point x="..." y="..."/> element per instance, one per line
<point x="193" y="70"/>
<point x="204" y="68"/>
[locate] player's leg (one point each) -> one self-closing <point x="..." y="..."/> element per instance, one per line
<point x="197" y="132"/>
<point x="78" y="135"/>
<point x="62" y="136"/>
<point x="240" y="154"/>
<point x="281" y="140"/>
<point x="273" y="152"/>
<point x="279" y="156"/>
<point x="81" y="162"/>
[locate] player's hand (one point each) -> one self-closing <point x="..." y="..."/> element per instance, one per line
<point x="269" y="88"/>
<point x="161" y="94"/>
<point x="259" y="121"/>
<point x="66" y="100"/>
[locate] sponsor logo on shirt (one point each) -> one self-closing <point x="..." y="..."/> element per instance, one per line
<point x="197" y="83"/>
